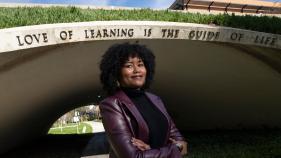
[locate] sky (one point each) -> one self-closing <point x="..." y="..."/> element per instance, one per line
<point x="159" y="4"/>
<point x="125" y="3"/>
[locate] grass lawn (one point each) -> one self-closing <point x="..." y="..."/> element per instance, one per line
<point x="23" y="16"/>
<point x="235" y="144"/>
<point x="202" y="144"/>
<point x="71" y="129"/>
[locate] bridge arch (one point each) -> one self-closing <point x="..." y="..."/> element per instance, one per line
<point x="210" y="77"/>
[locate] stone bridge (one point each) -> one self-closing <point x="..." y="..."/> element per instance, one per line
<point x="210" y="77"/>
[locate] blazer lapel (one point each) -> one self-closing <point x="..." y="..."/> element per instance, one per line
<point x="156" y="101"/>
<point x="143" y="130"/>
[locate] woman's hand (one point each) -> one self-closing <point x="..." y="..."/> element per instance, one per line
<point x="183" y="145"/>
<point x="140" y="144"/>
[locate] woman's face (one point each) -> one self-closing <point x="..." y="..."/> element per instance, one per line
<point x="133" y="73"/>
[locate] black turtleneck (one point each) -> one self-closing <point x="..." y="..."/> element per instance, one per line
<point x="155" y="120"/>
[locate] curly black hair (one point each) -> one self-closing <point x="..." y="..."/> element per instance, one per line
<point x="115" y="57"/>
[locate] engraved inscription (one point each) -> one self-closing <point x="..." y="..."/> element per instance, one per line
<point x="236" y="36"/>
<point x="170" y="33"/>
<point x="32" y="38"/>
<point x="266" y="40"/>
<point x="66" y="35"/>
<point x="203" y="35"/>
<point x="146" y="32"/>
<point x="102" y="33"/>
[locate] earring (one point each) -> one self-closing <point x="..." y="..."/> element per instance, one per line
<point x="117" y="83"/>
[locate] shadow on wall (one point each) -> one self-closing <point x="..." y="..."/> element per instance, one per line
<point x="62" y="146"/>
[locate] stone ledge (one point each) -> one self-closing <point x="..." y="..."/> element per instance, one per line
<point x="26" y="37"/>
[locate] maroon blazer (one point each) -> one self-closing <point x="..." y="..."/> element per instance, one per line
<point x="118" y="112"/>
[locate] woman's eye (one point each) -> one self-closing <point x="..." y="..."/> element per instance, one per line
<point x="141" y="65"/>
<point x="128" y="66"/>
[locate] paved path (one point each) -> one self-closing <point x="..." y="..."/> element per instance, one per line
<point x="98" y="143"/>
<point x="97" y="156"/>
<point x="96" y="126"/>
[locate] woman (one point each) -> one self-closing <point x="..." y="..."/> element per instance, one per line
<point x="136" y="121"/>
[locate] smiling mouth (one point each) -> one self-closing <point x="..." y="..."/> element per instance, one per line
<point x="136" y="77"/>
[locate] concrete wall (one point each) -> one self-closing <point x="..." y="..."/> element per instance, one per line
<point x="228" y="81"/>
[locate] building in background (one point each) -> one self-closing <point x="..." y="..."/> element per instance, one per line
<point x="229" y="6"/>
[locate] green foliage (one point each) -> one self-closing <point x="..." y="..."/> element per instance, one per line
<point x="23" y="16"/>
